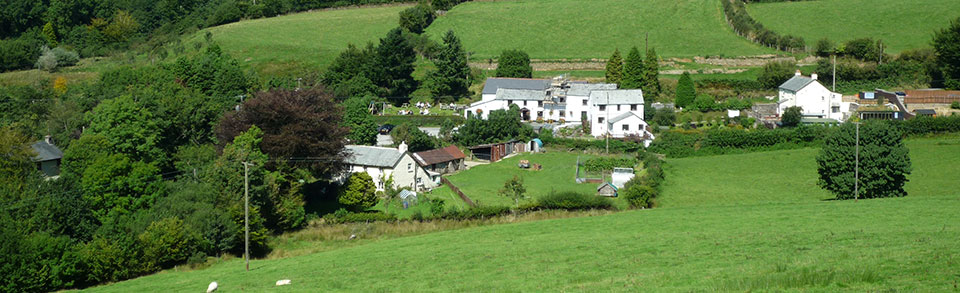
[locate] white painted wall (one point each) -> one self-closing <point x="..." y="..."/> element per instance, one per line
<point x="816" y="101"/>
<point x="404" y="174"/>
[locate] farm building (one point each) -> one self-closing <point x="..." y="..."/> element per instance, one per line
<point x="495" y="151"/>
<point x="440" y="161"/>
<point x="607" y="189"/>
<point x="381" y="163"/>
<point x="48" y="157"/>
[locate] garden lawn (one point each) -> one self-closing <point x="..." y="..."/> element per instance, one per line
<point x="575" y="29"/>
<point x="302" y="41"/>
<point x="790" y="176"/>
<point x="901" y="25"/>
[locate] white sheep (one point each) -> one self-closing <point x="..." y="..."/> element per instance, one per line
<point x="283" y="282"/>
<point x="212" y="287"/>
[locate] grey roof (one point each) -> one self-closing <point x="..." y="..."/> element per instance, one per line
<point x="495" y="83"/>
<point x="926" y="111"/>
<point x="373" y="156"/>
<point x="46" y="151"/>
<point x="616" y="97"/>
<point x="513" y="94"/>
<point x="584" y="89"/>
<point x="623" y="116"/>
<point x="796" y="83"/>
<point x="404" y="194"/>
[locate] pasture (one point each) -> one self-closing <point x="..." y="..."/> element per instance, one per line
<point x="902" y="25"/>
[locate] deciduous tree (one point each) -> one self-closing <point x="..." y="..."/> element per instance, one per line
<point x="791" y="116"/>
<point x="514" y="63"/>
<point x="946" y="43"/>
<point x="884" y="161"/>
<point x="514" y="189"/>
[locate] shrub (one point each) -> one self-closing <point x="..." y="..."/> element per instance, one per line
<point x="569" y="200"/>
<point x="358" y="193"/>
<point x="955" y="105"/>
<point x="884" y="161"/>
<point x="639" y="195"/>
<point x="166" y="243"/>
<point x="606" y="163"/>
<point x="416" y="19"/>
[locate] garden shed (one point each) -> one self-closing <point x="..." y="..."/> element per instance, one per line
<point x="607" y="189"/>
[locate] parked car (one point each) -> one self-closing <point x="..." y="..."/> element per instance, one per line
<point x="385" y="129"/>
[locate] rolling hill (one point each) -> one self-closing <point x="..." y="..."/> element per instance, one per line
<point x="780" y="236"/>
<point x="901" y="25"/>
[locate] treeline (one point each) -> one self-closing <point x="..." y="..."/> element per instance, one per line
<point x="744" y="25"/>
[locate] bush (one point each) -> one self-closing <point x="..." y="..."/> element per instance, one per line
<point x="955" y="105"/>
<point x="884" y="161"/>
<point x="417" y="120"/>
<point x="416" y="19"/>
<point x="166" y="243"/>
<point x="475" y="213"/>
<point x="569" y="200"/>
<point x="639" y="195"/>
<point x="606" y="163"/>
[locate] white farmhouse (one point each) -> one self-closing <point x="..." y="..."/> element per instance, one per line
<point x="381" y="163"/>
<point x="816" y="100"/>
<point x="610" y="111"/>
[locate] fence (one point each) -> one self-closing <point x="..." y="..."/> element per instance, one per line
<point x="458" y="192"/>
<point x="931" y="100"/>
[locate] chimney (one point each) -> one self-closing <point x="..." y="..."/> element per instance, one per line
<point x="813" y="76"/>
<point x="48" y="139"/>
<point x="797" y="73"/>
<point x="402" y="147"/>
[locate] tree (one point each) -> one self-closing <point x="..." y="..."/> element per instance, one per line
<point x="393" y="66"/>
<point x="632" y="70"/>
<point x="349" y="74"/>
<point x="884" y="161"/>
<point x="791" y="116"/>
<point x="946" y="43"/>
<point x="446" y="129"/>
<point x="443" y="4"/>
<point x="651" y="74"/>
<point x="130" y="128"/>
<point x="357" y="118"/>
<point x="514" y="63"/>
<point x="417" y="18"/>
<point x="775" y="73"/>
<point x="416" y="139"/>
<point x="686" y="91"/>
<point x="296" y="124"/>
<point x="864" y="49"/>
<point x="614" y="72"/>
<point x="451" y="80"/>
<point x="824" y="48"/>
<point x="359" y="193"/>
<point x="15" y="159"/>
<point x="514" y="189"/>
<point x="664" y="116"/>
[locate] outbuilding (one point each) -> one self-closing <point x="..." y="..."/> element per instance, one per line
<point x="607" y="189"/>
<point x="48" y="157"/>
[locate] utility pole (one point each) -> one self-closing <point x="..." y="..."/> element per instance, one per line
<point x="646" y="42"/>
<point x="246" y="215"/>
<point x="856" y="171"/>
<point x="834" y="73"/>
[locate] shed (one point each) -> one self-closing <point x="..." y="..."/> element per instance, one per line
<point x="407" y="197"/>
<point x="442" y="160"/>
<point x="607" y="189"/>
<point x="495" y="151"/>
<point x="925" y="112"/>
<point x="48" y="157"/>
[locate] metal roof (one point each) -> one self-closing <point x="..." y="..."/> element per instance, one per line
<point x="404" y="194"/>
<point x="623" y="116"/>
<point x="796" y="83"/>
<point x="362" y="155"/>
<point x="513" y="94"/>
<point x="615" y="97"/>
<point x="441" y="155"/>
<point x="495" y="83"/>
<point x="584" y="89"/>
<point x="46" y="151"/>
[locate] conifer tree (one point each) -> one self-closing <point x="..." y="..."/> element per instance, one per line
<point x="632" y="70"/>
<point x="394" y="65"/>
<point x="686" y="91"/>
<point x="615" y="68"/>
<point x="651" y="75"/>
<point x="451" y="80"/>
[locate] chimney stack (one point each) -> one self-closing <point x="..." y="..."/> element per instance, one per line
<point x="402" y="147"/>
<point x="814" y="76"/>
<point x="797" y="73"/>
<point x="48" y="139"/>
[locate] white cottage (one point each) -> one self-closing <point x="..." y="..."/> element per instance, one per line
<point x="815" y="99"/>
<point x="381" y="163"/>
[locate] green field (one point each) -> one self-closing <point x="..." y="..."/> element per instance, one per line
<point x="572" y="29"/>
<point x="308" y="40"/>
<point x="901" y="25"/>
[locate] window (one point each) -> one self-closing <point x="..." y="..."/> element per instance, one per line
<point x="563" y="100"/>
<point x="524" y="103"/>
<point x="583" y="115"/>
<point x="600" y="120"/>
<point x="626" y="127"/>
<point x="539" y="103"/>
<point x="618" y="107"/>
<point x="603" y="107"/>
<point x="562" y="114"/>
<point x="409" y="167"/>
<point x="418" y="180"/>
<point x="509" y="102"/>
<point x="539" y="113"/>
<point x="584" y="102"/>
<point x="835" y="109"/>
<point x="633" y="107"/>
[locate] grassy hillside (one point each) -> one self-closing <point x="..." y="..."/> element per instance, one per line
<point x="784" y="238"/>
<point x="575" y="29"/>
<point x="901" y="25"/>
<point x="308" y="40"/>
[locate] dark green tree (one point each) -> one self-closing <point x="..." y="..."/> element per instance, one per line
<point x="417" y="18"/>
<point x="884" y="161"/>
<point x="946" y="43"/>
<point x="130" y="128"/>
<point x="664" y="116"/>
<point x="349" y="74"/>
<point x="791" y="116"/>
<point x="514" y="63"/>
<point x="359" y="193"/>
<point x="632" y="70"/>
<point x="614" y="68"/>
<point x="686" y="91"/>
<point x="356" y="117"/>
<point x="451" y="80"/>
<point x="416" y="139"/>
<point x="775" y="73"/>
<point x="651" y="75"/>
<point x="825" y="47"/>
<point x="393" y="67"/>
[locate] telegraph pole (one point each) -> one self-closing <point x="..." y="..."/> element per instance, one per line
<point x="834" y="73"/>
<point x="856" y="170"/>
<point x="246" y="215"/>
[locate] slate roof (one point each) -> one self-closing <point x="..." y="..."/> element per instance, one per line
<point x="584" y="89"/>
<point x="796" y="83"/>
<point x="46" y="151"/>
<point x="925" y="112"/>
<point x="495" y="83"/>
<point x="435" y="156"/>
<point x="616" y="97"/>
<point x="362" y="155"/>
<point x="623" y="116"/>
<point x="514" y="94"/>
